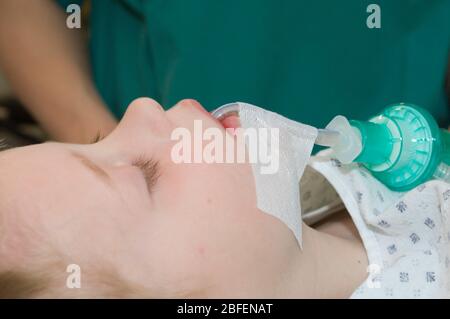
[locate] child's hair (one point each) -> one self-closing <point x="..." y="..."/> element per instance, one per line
<point x="21" y="285"/>
<point x="48" y="280"/>
<point x="28" y="276"/>
<point x="31" y="267"/>
<point x="42" y="273"/>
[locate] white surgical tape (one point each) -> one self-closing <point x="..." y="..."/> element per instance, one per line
<point x="278" y="193"/>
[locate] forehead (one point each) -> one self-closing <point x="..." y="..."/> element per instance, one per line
<point x="37" y="177"/>
<point x="23" y="174"/>
<point x="26" y="164"/>
<point x="16" y="226"/>
<point x="47" y="189"/>
<point x="35" y="192"/>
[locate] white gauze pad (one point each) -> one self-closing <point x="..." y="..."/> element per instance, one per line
<point x="278" y="192"/>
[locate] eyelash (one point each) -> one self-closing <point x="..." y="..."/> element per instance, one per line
<point x="149" y="168"/>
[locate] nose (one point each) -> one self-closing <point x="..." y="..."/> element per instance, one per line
<point x="145" y="114"/>
<point x="144" y="118"/>
<point x="143" y="125"/>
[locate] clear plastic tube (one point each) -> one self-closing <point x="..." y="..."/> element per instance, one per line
<point x="226" y="110"/>
<point x="327" y="138"/>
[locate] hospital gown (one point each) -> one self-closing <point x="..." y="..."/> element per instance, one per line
<point x="406" y="234"/>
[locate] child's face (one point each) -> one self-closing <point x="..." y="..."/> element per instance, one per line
<point x="175" y="228"/>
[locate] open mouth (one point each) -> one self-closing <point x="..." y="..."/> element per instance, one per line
<point x="228" y="115"/>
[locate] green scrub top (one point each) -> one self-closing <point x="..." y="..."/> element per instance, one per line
<point x="308" y="60"/>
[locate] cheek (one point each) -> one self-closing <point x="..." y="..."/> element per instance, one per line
<point x="205" y="188"/>
<point x="202" y="213"/>
<point x="132" y="187"/>
<point x="207" y="218"/>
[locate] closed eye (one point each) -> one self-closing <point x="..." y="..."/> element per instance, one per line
<point x="148" y="167"/>
<point x="150" y="170"/>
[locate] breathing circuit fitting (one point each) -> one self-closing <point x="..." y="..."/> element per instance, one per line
<point x="402" y="146"/>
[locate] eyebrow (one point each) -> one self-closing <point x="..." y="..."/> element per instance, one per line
<point x="94" y="168"/>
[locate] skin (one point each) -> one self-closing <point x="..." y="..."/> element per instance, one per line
<point x="39" y="48"/>
<point x="195" y="232"/>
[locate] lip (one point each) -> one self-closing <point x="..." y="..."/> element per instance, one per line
<point x="231" y="121"/>
<point x="226" y="110"/>
<point x="227" y="115"/>
<point x="211" y="116"/>
<point x="225" y="120"/>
